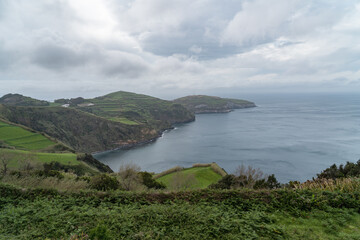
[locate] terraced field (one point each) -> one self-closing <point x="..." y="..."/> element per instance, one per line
<point x="204" y="176"/>
<point x="136" y="109"/>
<point x="18" y="157"/>
<point x="23" y="139"/>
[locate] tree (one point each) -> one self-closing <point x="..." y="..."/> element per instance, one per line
<point x="129" y="177"/>
<point x="247" y="176"/>
<point x="5" y="158"/>
<point x="149" y="181"/>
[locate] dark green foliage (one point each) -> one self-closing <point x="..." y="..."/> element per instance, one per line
<point x="224" y="183"/>
<point x="62" y="101"/>
<point x="233" y="182"/>
<point x="104" y="182"/>
<point x="77" y="169"/>
<point x="349" y="170"/>
<point x="47" y="173"/>
<point x="206" y="214"/>
<point x="89" y="159"/>
<point x="100" y="232"/>
<point x="148" y="181"/>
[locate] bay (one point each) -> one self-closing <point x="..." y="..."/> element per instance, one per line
<point x="293" y="136"/>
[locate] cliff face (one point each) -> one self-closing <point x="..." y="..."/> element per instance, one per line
<point x="209" y="104"/>
<point x="83" y="132"/>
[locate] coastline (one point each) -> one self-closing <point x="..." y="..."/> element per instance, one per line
<point x="160" y="133"/>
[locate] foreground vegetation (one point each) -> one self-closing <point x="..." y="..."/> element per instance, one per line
<point x="56" y="202"/>
<point x="205" y="214"/>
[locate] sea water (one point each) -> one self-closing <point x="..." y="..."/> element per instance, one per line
<point x="294" y="136"/>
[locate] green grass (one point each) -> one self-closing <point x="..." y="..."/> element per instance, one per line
<point x="23" y="139"/>
<point x="204" y="177"/>
<point x="124" y="120"/>
<point x="322" y="225"/>
<point x="134" y="109"/>
<point x="17" y="156"/>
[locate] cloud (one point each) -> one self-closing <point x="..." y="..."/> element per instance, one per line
<point x="120" y="64"/>
<point x="259" y="21"/>
<point x="177" y="46"/>
<point x="58" y="57"/>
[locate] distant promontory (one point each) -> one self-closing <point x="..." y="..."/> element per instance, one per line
<point x="210" y="104"/>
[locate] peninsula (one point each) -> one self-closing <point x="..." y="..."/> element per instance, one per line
<point x="210" y="104"/>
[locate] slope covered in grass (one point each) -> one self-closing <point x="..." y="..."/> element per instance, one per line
<point x="21" y="138"/>
<point x="17" y="157"/>
<point x="131" y="108"/>
<point x="200" y="177"/>
<point x="20" y="100"/>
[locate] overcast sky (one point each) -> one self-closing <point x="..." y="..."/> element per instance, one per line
<point x="68" y="48"/>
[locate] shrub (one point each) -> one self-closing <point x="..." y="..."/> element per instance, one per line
<point x="79" y="170"/>
<point x="100" y="232"/>
<point x="129" y="177"/>
<point x="201" y="165"/>
<point x="104" y="182"/>
<point x="224" y="183"/>
<point x="216" y="168"/>
<point x="171" y="170"/>
<point x="148" y="181"/>
<point x="349" y="170"/>
<point x="234" y="182"/>
<point x="48" y="173"/>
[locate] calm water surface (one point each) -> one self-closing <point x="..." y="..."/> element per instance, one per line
<point x="292" y="136"/>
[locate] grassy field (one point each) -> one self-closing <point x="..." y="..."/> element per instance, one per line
<point x="123" y="120"/>
<point x="204" y="176"/>
<point x="133" y="109"/>
<point x="19" y="156"/>
<point x="23" y="139"/>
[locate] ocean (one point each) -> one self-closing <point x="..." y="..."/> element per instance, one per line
<point x="294" y="136"/>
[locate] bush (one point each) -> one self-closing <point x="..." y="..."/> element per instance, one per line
<point x="224" y="183"/>
<point x="171" y="170"/>
<point x="334" y="172"/>
<point x="49" y="173"/>
<point x="148" y="181"/>
<point x="100" y="232"/>
<point x="104" y="182"/>
<point x="129" y="177"/>
<point x="234" y="182"/>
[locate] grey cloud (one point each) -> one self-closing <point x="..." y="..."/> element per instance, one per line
<point x="192" y="23"/>
<point x="58" y="57"/>
<point x="6" y="58"/>
<point x="124" y="65"/>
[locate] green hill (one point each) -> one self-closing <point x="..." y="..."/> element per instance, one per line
<point x="20" y="100"/>
<point x="103" y="123"/>
<point x="197" y="177"/>
<point x="82" y="131"/>
<point x="210" y="104"/>
<point x="133" y="109"/>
